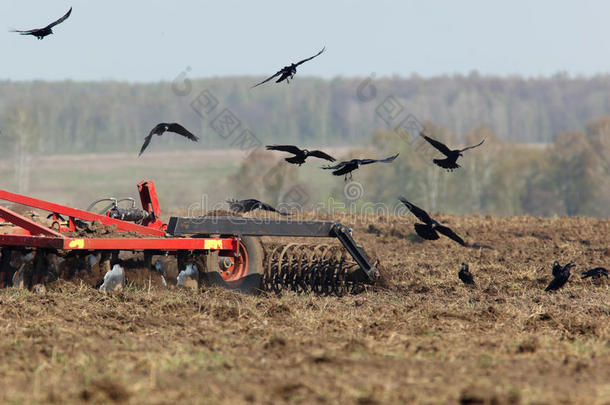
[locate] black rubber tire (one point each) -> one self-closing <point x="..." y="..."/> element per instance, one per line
<point x="251" y="283"/>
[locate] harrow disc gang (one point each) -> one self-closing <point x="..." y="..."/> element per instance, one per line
<point x="319" y="269"/>
<point x="322" y="269"/>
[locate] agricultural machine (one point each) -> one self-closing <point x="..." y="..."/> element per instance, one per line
<point x="224" y="250"/>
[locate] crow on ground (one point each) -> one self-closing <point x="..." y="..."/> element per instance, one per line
<point x="163" y="127"/>
<point x="465" y="275"/>
<point x="450" y="162"/>
<point x="597" y="272"/>
<point x="300" y="154"/>
<point x="561" y="277"/>
<point x="428" y="230"/>
<point x="40" y="33"/>
<point x="346" y="168"/>
<point x="287" y="72"/>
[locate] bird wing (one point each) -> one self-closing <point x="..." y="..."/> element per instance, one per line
<point x="473" y="146"/>
<point x="279" y="72"/>
<point x="179" y="129"/>
<point x="558" y="281"/>
<point x="466" y="276"/>
<point x="386" y="160"/>
<point x="344" y="170"/>
<point x="146" y="142"/>
<point x="285" y="148"/>
<point x="264" y="206"/>
<point x="450" y="234"/>
<point x="553" y="284"/>
<point x="337" y="166"/>
<point x="321" y="155"/>
<point x="418" y="212"/>
<point x="62" y="19"/>
<point x="438" y="145"/>
<point x="26" y="32"/>
<point x="310" y="58"/>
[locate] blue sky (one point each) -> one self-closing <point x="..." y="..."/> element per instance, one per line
<point x="155" y="40"/>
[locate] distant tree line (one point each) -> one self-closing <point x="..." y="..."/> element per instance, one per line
<point x="547" y="148"/>
<point x="75" y="117"/>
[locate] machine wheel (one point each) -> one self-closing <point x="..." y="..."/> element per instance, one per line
<point x="242" y="273"/>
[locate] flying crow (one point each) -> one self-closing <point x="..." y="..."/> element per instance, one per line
<point x="40" y="33"/>
<point x="300" y="154"/>
<point x="465" y="275"/>
<point x="448" y="163"/>
<point x="287" y="72"/>
<point x="244" y="206"/>
<point x="345" y="168"/>
<point x="597" y="272"/>
<point x="561" y="277"/>
<point x="428" y="230"/>
<point x="161" y="128"/>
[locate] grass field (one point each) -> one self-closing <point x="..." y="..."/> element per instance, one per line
<point x="182" y="178"/>
<point x="425" y="338"/>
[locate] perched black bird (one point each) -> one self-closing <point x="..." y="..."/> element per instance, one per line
<point x="595" y="273"/>
<point x="561" y="277"/>
<point x="161" y="128"/>
<point x="465" y="275"/>
<point x="428" y="230"/>
<point x="243" y="206"/>
<point x="287" y="72"/>
<point x="345" y="168"/>
<point x="448" y="163"/>
<point x="40" y="33"/>
<point x="300" y="154"/>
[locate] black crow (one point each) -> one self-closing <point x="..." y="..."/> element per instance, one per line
<point x="448" y="163"/>
<point x="40" y="33"/>
<point x="300" y="154"/>
<point x="287" y="72"/>
<point x="428" y="230"/>
<point x="561" y="277"/>
<point x="595" y="273"/>
<point x="161" y="128"/>
<point x="243" y="206"/>
<point x="465" y="275"/>
<point x="345" y="168"/>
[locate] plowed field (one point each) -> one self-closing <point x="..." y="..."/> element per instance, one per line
<point x="423" y="338"/>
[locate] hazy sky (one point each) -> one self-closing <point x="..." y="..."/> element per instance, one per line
<point x="153" y="40"/>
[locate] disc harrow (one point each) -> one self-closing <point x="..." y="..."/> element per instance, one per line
<point x="310" y="268"/>
<point x="211" y="250"/>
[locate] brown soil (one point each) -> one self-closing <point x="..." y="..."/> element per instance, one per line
<point x="427" y="338"/>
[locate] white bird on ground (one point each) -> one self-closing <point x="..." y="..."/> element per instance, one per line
<point x="114" y="279"/>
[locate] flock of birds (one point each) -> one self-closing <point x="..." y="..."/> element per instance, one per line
<point x="428" y="229"/>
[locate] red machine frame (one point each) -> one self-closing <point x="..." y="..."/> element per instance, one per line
<point x="32" y="234"/>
